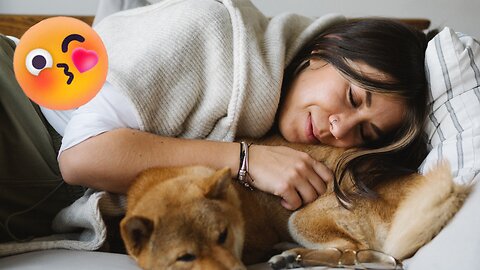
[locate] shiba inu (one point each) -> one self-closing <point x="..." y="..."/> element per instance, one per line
<point x="198" y="218"/>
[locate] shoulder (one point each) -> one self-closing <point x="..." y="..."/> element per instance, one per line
<point x="205" y="10"/>
<point x="167" y="13"/>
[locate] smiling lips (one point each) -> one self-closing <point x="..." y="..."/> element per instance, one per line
<point x="309" y="131"/>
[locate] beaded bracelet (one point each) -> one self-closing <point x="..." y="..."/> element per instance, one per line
<point x="243" y="174"/>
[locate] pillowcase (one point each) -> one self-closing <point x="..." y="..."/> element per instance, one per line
<point x="452" y="64"/>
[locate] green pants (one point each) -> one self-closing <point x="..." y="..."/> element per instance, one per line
<point x="32" y="190"/>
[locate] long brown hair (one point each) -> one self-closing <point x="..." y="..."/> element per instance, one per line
<point x="398" y="51"/>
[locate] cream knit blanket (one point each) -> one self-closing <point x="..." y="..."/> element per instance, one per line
<point x="232" y="60"/>
<point x="204" y="68"/>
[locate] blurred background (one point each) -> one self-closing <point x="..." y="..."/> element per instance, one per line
<point x="461" y="15"/>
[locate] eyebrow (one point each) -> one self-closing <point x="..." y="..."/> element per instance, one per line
<point x="69" y="39"/>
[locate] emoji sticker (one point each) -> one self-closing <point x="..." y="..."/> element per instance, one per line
<point x="60" y="63"/>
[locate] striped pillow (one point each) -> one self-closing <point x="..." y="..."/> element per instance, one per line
<point x="452" y="64"/>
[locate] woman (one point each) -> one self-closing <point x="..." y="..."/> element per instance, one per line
<point x="358" y="84"/>
<point x="378" y="62"/>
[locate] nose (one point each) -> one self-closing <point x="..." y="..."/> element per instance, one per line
<point x="342" y="126"/>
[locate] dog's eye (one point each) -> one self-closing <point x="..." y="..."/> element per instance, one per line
<point x="187" y="257"/>
<point x="222" y="237"/>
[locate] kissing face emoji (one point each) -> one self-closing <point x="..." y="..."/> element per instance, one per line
<point x="60" y="63"/>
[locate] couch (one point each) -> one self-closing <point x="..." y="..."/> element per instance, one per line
<point x="456" y="247"/>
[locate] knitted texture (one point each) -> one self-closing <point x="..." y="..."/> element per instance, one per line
<point x="204" y="68"/>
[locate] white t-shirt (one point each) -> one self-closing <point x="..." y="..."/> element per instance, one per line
<point x="108" y="110"/>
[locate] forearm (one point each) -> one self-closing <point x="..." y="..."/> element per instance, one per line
<point x="110" y="161"/>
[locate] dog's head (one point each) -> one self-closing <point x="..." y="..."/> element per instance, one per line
<point x="184" y="218"/>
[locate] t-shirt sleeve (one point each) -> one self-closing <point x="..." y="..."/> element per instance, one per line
<point x="108" y="110"/>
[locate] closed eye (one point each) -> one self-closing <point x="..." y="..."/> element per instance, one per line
<point x="351" y="99"/>
<point x="187" y="257"/>
<point x="222" y="237"/>
<point x="355" y="105"/>
<point x="361" y="127"/>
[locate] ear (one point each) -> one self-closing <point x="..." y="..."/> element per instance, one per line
<point x="136" y="232"/>
<point x="217" y="184"/>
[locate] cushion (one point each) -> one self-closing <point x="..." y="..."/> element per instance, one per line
<point x="453" y="71"/>
<point x="60" y="259"/>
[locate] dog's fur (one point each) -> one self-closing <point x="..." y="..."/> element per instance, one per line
<point x="197" y="218"/>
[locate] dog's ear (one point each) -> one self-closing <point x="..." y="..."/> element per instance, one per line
<point x="136" y="232"/>
<point x="217" y="184"/>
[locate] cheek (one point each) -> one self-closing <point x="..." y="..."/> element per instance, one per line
<point x="327" y="95"/>
<point x="333" y="96"/>
<point x="287" y="109"/>
<point x="284" y="124"/>
<point x="393" y="116"/>
<point x="399" y="116"/>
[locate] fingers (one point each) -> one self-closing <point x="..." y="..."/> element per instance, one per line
<point x="291" y="200"/>
<point x="316" y="181"/>
<point x="311" y="182"/>
<point x="321" y="177"/>
<point x="297" y="189"/>
<point x="301" y="191"/>
<point x="287" y="206"/>
<point x="307" y="192"/>
<point x="293" y="175"/>
<point x="323" y="171"/>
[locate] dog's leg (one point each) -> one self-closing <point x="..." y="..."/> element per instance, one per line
<point x="305" y="257"/>
<point x="288" y="259"/>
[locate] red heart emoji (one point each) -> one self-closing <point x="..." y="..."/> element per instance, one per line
<point x="83" y="59"/>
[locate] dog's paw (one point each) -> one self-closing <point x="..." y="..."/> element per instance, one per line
<point x="285" y="260"/>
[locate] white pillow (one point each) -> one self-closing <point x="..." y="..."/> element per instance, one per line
<point x="452" y="64"/>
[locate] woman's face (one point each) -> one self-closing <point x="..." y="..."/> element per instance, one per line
<point x="322" y="106"/>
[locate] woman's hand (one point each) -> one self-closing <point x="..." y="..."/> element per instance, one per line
<point x="288" y="173"/>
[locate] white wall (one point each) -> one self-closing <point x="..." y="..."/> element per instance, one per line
<point x="60" y="7"/>
<point x="461" y="15"/>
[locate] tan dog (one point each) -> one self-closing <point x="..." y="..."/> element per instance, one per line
<point x="198" y="218"/>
